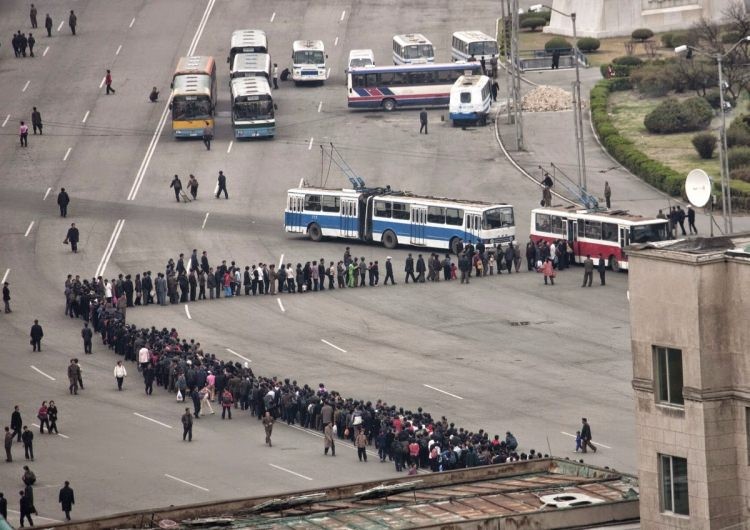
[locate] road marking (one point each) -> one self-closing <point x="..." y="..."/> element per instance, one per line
<point x="132" y="22"/>
<point x="216" y="188"/>
<point x="45" y="375"/>
<point x="61" y="25"/>
<point x="57" y="433"/>
<point x="290" y="471"/>
<point x="110" y="247"/>
<point x="118" y="49"/>
<point x="336" y="41"/>
<point x="333" y="346"/>
<point x="85" y="116"/>
<point x="5" y="276"/>
<point x="31" y="224"/>
<point x="443" y="391"/>
<point x="328" y="74"/>
<point x="281" y="260"/>
<point x="46" y="194"/>
<point x="273" y="16"/>
<point x="187" y="312"/>
<point x="102" y="83"/>
<point x="281" y="306"/>
<point x="320" y="106"/>
<point x="186" y="482"/>
<point x="343" y="14"/>
<point x="5" y="122"/>
<point x="204" y="221"/>
<point x="153" y="420"/>
<point x="573" y="436"/>
<point x="38" y="516"/>
<point x="67" y="154"/>
<point x="229" y="149"/>
<point x="26" y="86"/>
<point x="238" y="355"/>
<point x="45" y="51"/>
<point x="309" y="147"/>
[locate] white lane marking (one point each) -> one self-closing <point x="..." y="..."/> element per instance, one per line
<point x="201" y="27"/>
<point x="118" y="49"/>
<point x="5" y="276"/>
<point x="281" y="306"/>
<point x="38" y="516"/>
<point x="102" y="83"/>
<point x="216" y="188"/>
<point x="46" y="194"/>
<point x="61" y="25"/>
<point x="186" y="482"/>
<point x="336" y="41"/>
<point x="86" y="116"/>
<point x="45" y="375"/>
<point x="301" y="182"/>
<point x="132" y="22"/>
<point x="309" y="146"/>
<point x="57" y="433"/>
<point x="152" y="420"/>
<point x="110" y="247"/>
<point x="45" y="51"/>
<point x="204" y="221"/>
<point x="5" y="122"/>
<point x="26" y="86"/>
<point x="320" y="106"/>
<point x="328" y="74"/>
<point x="273" y="16"/>
<point x="443" y="391"/>
<point x="333" y="346"/>
<point x="343" y="14"/>
<point x="31" y="225"/>
<point x="573" y="436"/>
<point x="187" y="312"/>
<point x="229" y="149"/>
<point x="238" y="355"/>
<point x="290" y="471"/>
<point x="281" y="260"/>
<point x="67" y="154"/>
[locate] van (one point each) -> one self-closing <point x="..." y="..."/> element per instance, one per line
<point x="470" y="100"/>
<point x="360" y="59"/>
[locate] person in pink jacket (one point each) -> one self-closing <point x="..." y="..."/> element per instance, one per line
<point x="549" y="272"/>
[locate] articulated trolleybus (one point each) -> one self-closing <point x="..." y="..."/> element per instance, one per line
<point x="594" y="232"/>
<point x="396" y="218"/>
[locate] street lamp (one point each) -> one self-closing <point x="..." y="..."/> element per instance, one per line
<point x="726" y="189"/>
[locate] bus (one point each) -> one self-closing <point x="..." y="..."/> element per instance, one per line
<point x="194" y="95"/>
<point x="251" y="65"/>
<point x="308" y="61"/>
<point x="470" y="100"/>
<point x="412" y="48"/>
<point x="594" y="232"/>
<point x="466" y="44"/>
<point x="416" y="85"/>
<point x="394" y="218"/>
<point x="252" y="108"/>
<point x="247" y="41"/>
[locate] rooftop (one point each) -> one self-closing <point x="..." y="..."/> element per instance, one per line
<point x="699" y="248"/>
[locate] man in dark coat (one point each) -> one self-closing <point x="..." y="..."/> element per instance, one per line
<point x="177" y="185"/>
<point x="72" y="21"/>
<point x="67" y="499"/>
<point x="26" y="508"/>
<point x="204" y="262"/>
<point x="409" y="269"/>
<point x="36" y="121"/>
<point x="36" y="335"/>
<point x="72" y="237"/>
<point x="6" y="297"/>
<point x="127" y="287"/>
<point x="586" y="435"/>
<point x="601" y="266"/>
<point x="3" y="507"/>
<point x="421" y="268"/>
<point x="86" y="335"/>
<point x="63" y="199"/>
<point x="48" y="24"/>
<point x="388" y="271"/>
<point x="28" y="443"/>
<point x="16" y="423"/>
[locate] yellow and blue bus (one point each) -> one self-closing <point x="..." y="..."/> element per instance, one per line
<point x="193" y="96"/>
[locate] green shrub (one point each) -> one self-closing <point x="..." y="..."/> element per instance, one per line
<point x="588" y="44"/>
<point x="680" y="39"/>
<point x="738" y="156"/>
<point x="642" y="34"/>
<point x="620" y="83"/>
<point x="671" y="116"/>
<point x="738" y="132"/>
<point x="546" y="14"/>
<point x="741" y="173"/>
<point x="558" y="43"/>
<point x="713" y="98"/>
<point x="653" y="81"/>
<point x="628" y="60"/>
<point x="730" y="37"/>
<point x="666" y="39"/>
<point x="699" y="111"/>
<point x="705" y="144"/>
<point x="532" y="23"/>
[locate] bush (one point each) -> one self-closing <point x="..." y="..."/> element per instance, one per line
<point x="741" y="173"/>
<point x="642" y="34"/>
<point x="628" y="60"/>
<point x="705" y="144"/>
<point x="671" y="116"/>
<point x="588" y="44"/>
<point x="738" y="157"/>
<point x="618" y="84"/>
<point x="713" y="98"/>
<point x="558" y="43"/>
<point x="666" y="39"/>
<point x="679" y="39"/>
<point x="533" y="23"/>
<point x="546" y="14"/>
<point x="652" y="81"/>
<point x="738" y="132"/>
<point x="699" y="111"/>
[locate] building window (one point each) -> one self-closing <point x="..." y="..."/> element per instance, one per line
<point x="668" y="366"/>
<point x="674" y="484"/>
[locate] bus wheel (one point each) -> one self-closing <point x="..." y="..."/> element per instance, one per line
<point x="315" y="233"/>
<point x="614" y="264"/>
<point x="454" y="245"/>
<point x="389" y="239"/>
<point x="389" y="104"/>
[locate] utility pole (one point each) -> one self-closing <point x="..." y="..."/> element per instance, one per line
<point x="504" y="58"/>
<point x="579" y="110"/>
<point x="517" y="111"/>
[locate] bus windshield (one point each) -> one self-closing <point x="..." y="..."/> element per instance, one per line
<point x="483" y="48"/>
<point x="191" y="108"/>
<point x="309" y="57"/>
<point x="253" y="110"/>
<point x="359" y="63"/>
<point x="497" y="218"/>
<point x="415" y="51"/>
<point x="649" y="233"/>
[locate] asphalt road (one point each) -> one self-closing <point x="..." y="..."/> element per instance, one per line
<point x="504" y="353"/>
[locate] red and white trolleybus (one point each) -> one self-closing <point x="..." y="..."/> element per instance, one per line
<point x="594" y="232"/>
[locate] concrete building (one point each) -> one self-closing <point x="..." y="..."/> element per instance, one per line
<point x="613" y="18"/>
<point x="689" y="308"/>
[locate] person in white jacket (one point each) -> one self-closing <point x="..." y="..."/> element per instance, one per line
<point x="120" y="374"/>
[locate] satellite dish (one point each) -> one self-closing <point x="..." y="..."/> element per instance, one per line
<point x="698" y="188"/>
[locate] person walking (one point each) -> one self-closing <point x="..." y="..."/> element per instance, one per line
<point x="187" y="425"/>
<point x="268" y="422"/>
<point x="6" y="297"/>
<point x="86" y="334"/>
<point x="548" y="270"/>
<point x="389" y="271"/>
<point x="588" y="271"/>
<point x="328" y="440"/>
<point x="120" y="374"/>
<point x="72" y="238"/>
<point x="193" y="186"/>
<point x="32" y="16"/>
<point x="226" y="404"/>
<point x="360" y="441"/>
<point x="608" y="194"/>
<point x="23" y="134"/>
<point x="601" y="266"/>
<point x="423" y="121"/>
<point x="8" y="444"/>
<point x="67" y="499"/>
<point x="36" y="333"/>
<point x="31" y="42"/>
<point x="275" y="76"/>
<point x="586" y="436"/>
<point x="73" y="22"/>
<point x="43" y="416"/>
<point x="409" y="269"/>
<point x="28" y="443"/>
<point x="63" y="199"/>
<point x="222" y="181"/>
<point x="691" y="220"/>
<point x="48" y="24"/>
<point x="52" y="417"/>
<point x="26" y="508"/>
<point x="36" y="120"/>
<point x="176" y="184"/>
<point x="208" y="135"/>
<point x="107" y="81"/>
<point x="73" y="369"/>
<point x="16" y="423"/>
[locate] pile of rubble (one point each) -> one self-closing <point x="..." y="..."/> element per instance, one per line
<point x="547" y="98"/>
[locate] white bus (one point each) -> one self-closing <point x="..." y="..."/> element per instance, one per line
<point x="308" y="61"/>
<point x="252" y="108"/>
<point x="471" y="99"/>
<point x="465" y="44"/>
<point x="412" y="48"/>
<point x="251" y="65"/>
<point x="360" y="59"/>
<point x="247" y="41"/>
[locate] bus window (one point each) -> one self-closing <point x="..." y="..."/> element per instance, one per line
<point x="498" y="218"/>
<point x="312" y="203"/>
<point x="592" y="229"/>
<point x="436" y="214"/>
<point x="649" y="232"/>
<point x="382" y="209"/>
<point x="465" y="97"/>
<point x="609" y="232"/>
<point x="330" y="203"/>
<point x="454" y="216"/>
<point x="400" y="211"/>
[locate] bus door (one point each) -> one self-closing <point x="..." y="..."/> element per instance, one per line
<point x="572" y="230"/>
<point x="294" y="224"/>
<point x="624" y="236"/>
<point x="473" y="224"/>
<point x="349" y="221"/>
<point x="418" y="220"/>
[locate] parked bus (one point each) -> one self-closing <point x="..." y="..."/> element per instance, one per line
<point x="308" y="61"/>
<point x="470" y="100"/>
<point x="396" y="218"/>
<point x="251" y="65"/>
<point x="247" y="41"/>
<point x="252" y="108"/>
<point x="193" y="96"/>
<point x="417" y="85"/>
<point x="412" y="48"/>
<point x="594" y="232"/>
<point x="466" y="44"/>
<point x="360" y="59"/>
